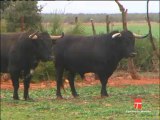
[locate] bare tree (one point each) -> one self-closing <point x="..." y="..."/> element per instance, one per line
<point x="124" y="15"/>
<point x="131" y="67"/>
<point x="150" y="32"/>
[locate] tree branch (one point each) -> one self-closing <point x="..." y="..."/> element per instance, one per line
<point x="150" y="32"/>
<point x="131" y="66"/>
<point x="124" y="14"/>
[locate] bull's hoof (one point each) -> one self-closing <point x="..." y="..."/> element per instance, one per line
<point x="15" y="98"/>
<point x="104" y="96"/>
<point x="75" y="95"/>
<point x="59" y="97"/>
<point x="29" y="99"/>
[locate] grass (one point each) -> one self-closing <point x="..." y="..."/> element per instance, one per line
<point x="137" y="27"/>
<point x="89" y="106"/>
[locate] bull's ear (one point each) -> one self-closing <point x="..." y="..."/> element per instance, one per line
<point x="116" y="35"/>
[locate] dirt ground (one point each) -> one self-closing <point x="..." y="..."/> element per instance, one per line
<point x="117" y="80"/>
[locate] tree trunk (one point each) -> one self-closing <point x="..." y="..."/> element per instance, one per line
<point x="131" y="67"/>
<point x="150" y="34"/>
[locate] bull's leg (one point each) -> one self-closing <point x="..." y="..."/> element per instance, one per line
<point x="71" y="83"/>
<point x="59" y="75"/>
<point x="15" y="83"/>
<point x="103" y="80"/>
<point x="26" y="82"/>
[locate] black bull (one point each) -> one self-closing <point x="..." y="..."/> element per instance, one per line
<point x="21" y="52"/>
<point x="98" y="54"/>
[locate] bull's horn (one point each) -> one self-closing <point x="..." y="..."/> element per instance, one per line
<point x="31" y="71"/>
<point x="33" y="36"/>
<point x="57" y="37"/>
<point x="116" y="35"/>
<point x="139" y="36"/>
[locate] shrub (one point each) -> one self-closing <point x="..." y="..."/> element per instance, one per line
<point x="17" y="10"/>
<point x="3" y="25"/>
<point x="44" y="71"/>
<point x="76" y="29"/>
<point x="56" y="24"/>
<point x="144" y="58"/>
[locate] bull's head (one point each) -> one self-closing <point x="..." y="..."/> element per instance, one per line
<point x="42" y="45"/>
<point x="127" y="39"/>
<point x="134" y="34"/>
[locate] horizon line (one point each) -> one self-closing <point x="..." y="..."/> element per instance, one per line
<point x="100" y="13"/>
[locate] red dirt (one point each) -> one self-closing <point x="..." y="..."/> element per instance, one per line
<point x="116" y="81"/>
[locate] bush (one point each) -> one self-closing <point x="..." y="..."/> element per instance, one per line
<point x="56" y="25"/>
<point x="77" y="29"/>
<point x="144" y="58"/>
<point x="44" y="71"/>
<point x="3" y="25"/>
<point x="28" y="10"/>
<point x="144" y="55"/>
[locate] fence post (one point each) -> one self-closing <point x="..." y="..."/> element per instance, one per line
<point x="76" y="20"/>
<point x="93" y="29"/>
<point x="94" y="33"/>
<point x="22" y="23"/>
<point x="107" y="24"/>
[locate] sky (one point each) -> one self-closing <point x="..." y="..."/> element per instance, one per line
<point x="108" y="7"/>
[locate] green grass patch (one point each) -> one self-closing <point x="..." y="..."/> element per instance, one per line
<point x="89" y="106"/>
<point x="137" y="27"/>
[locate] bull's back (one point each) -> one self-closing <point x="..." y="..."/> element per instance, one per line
<point x="81" y="54"/>
<point x="81" y="47"/>
<point x="8" y="40"/>
<point x="72" y="45"/>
